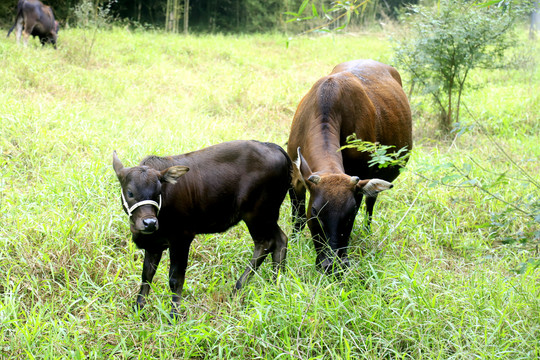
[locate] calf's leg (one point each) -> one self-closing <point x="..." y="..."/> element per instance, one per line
<point x="265" y="235"/>
<point x="177" y="274"/>
<point x="279" y="254"/>
<point x="151" y="262"/>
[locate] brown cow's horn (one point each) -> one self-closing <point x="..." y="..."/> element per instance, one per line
<point x="314" y="179"/>
<point x="354" y="180"/>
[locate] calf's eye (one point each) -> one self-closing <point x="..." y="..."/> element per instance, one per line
<point x="129" y="194"/>
<point x="313" y="211"/>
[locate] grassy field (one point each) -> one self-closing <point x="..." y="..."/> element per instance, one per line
<point x="444" y="274"/>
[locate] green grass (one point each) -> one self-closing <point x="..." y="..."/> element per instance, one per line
<point x="437" y="279"/>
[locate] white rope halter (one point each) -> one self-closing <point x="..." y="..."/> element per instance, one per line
<point x="140" y="203"/>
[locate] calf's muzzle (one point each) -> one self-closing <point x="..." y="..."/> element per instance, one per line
<point x="150" y="225"/>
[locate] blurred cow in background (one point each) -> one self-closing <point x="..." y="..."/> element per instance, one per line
<point x="34" y="18"/>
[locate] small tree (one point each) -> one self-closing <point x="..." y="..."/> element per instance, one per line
<point x="446" y="42"/>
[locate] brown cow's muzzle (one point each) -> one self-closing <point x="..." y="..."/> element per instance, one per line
<point x="332" y="264"/>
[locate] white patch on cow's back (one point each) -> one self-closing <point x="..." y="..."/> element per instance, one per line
<point x="297" y="162"/>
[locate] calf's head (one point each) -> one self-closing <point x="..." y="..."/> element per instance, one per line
<point x="141" y="193"/>
<point x="333" y="203"/>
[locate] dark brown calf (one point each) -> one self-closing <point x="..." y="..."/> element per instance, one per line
<point x="171" y="199"/>
<point x="363" y="97"/>
<point x="34" y="18"/>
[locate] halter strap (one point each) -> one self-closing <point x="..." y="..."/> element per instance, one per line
<point x="130" y="210"/>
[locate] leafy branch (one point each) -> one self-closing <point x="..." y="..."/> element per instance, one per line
<point x="343" y="9"/>
<point x="380" y="155"/>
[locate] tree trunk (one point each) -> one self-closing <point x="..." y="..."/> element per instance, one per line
<point x="535" y="20"/>
<point x="411" y="90"/>
<point x="175" y="17"/>
<point x="172" y="15"/>
<point x="167" y="15"/>
<point x="448" y="121"/>
<point x="186" y="16"/>
<point x="460" y="90"/>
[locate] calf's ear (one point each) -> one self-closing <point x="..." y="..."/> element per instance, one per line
<point x="172" y="174"/>
<point x="372" y="187"/>
<point x="117" y="164"/>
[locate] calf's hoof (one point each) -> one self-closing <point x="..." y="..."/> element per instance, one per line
<point x="138" y="306"/>
<point x="138" y="309"/>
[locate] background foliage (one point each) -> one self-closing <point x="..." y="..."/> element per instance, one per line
<point x="204" y="16"/>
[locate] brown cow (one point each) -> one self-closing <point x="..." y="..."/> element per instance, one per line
<point x="363" y="97"/>
<point x="34" y="18"/>
<point x="167" y="205"/>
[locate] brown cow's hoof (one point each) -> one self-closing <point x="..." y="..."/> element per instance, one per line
<point x="176" y="317"/>
<point x="335" y="268"/>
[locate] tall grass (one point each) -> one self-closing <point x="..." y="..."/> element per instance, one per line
<point x="436" y="279"/>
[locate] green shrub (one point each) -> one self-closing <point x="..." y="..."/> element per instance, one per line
<point x="445" y="43"/>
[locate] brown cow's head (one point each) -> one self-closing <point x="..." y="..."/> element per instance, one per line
<point x="141" y="193"/>
<point x="333" y="204"/>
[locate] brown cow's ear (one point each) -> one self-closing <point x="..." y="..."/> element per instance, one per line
<point x="372" y="187"/>
<point x="172" y="174"/>
<point x="117" y="164"/>
<point x="314" y="179"/>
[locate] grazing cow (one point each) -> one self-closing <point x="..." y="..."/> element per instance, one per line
<point x="364" y="97"/>
<point x="34" y="18"/>
<point x="168" y="205"/>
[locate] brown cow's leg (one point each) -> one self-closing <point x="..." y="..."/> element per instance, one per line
<point x="177" y="274"/>
<point x="151" y="262"/>
<point x="298" y="205"/>
<point x="370" y="204"/>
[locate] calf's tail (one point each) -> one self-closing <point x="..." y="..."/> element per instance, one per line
<point x="289" y="161"/>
